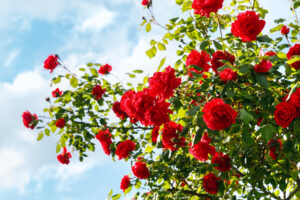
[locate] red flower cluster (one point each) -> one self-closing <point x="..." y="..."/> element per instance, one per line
<point x="104" y="137"/>
<point x="285" y="30"/>
<point x="201" y="150"/>
<point x="64" y="157"/>
<point x="125" y="148"/>
<point x="170" y="136"/>
<point x="247" y="26"/>
<point x="218" y="115"/>
<point x="51" y="63"/>
<point x="154" y="134"/>
<point x="98" y="92"/>
<point x="200" y="59"/>
<point x="56" y="93"/>
<point x="223" y="161"/>
<point x="105" y="69"/>
<point x="118" y="111"/>
<point x="271" y="53"/>
<point x="221" y="55"/>
<point x="140" y="170"/>
<point x="211" y="183"/>
<point x="29" y="120"/>
<point x="275" y="146"/>
<point x="263" y="67"/>
<point x="146" y="2"/>
<point x="293" y="51"/>
<point x="228" y="74"/>
<point x="60" y="123"/>
<point x="162" y="84"/>
<point x="144" y="107"/>
<point x="205" y="7"/>
<point x="125" y="183"/>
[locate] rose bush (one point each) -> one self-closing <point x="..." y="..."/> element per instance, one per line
<point x="225" y="112"/>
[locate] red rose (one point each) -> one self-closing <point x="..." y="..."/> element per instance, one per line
<point x="60" y="123"/>
<point x="127" y="104"/>
<point x="140" y="170"/>
<point x="295" y="98"/>
<point x="205" y="7"/>
<point x="51" y="62"/>
<point x="56" y="93"/>
<point x="284" y="114"/>
<point x="104" y="137"/>
<point x="105" y="69"/>
<point x="223" y="161"/>
<point x="221" y="55"/>
<point x="228" y="74"/>
<point x="125" y="183"/>
<point x="247" y="26"/>
<point x="157" y="114"/>
<point x="201" y="150"/>
<point x="275" y="146"/>
<point x="285" y="30"/>
<point x="145" y="2"/>
<point x="98" y="92"/>
<point x="263" y="67"/>
<point x="170" y="136"/>
<point x="64" y="157"/>
<point x="125" y="148"/>
<point x="162" y="84"/>
<point x="29" y="120"/>
<point x="200" y="59"/>
<point x="271" y="53"/>
<point x="118" y="111"/>
<point x="259" y="120"/>
<point x="293" y="51"/>
<point x="218" y="115"/>
<point x="211" y="183"/>
<point x="154" y="134"/>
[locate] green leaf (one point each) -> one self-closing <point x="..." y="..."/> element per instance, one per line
<point x="294" y="59"/>
<point x="148" y="149"/>
<point x="197" y="137"/>
<point x="281" y="55"/>
<point x="151" y="52"/>
<point x="58" y="147"/>
<point x="196" y="67"/>
<point x="193" y="110"/>
<point x="162" y="62"/>
<point x="204" y="44"/>
<point x="94" y="72"/>
<point x="262" y="80"/>
<point x="47" y="132"/>
<point x="138" y="71"/>
<point x="148" y="27"/>
<point x="116" y="196"/>
<point x="161" y="46"/>
<point x="90" y="64"/>
<point x="264" y="38"/>
<point x="138" y="184"/>
<point x="218" y="45"/>
<point x="56" y="80"/>
<point x="40" y="136"/>
<point x="267" y="132"/>
<point x="246" y="136"/>
<point x="244" y="68"/>
<point x="185" y="130"/>
<point x="245" y="116"/>
<point x="74" y="82"/>
<point x="110" y="193"/>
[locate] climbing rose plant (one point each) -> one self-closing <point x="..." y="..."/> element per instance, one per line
<point x="222" y="122"/>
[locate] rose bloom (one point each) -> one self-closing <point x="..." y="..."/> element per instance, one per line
<point x="154" y="134"/>
<point x="118" y="111"/>
<point x="220" y="55"/>
<point x="205" y="7"/>
<point x="127" y="104"/>
<point x="247" y="26"/>
<point x="157" y="114"/>
<point x="146" y="2"/>
<point x="285" y="30"/>
<point x="218" y="115"/>
<point x="125" y="183"/>
<point x="263" y="67"/>
<point x="284" y="114"/>
<point x="295" y="98"/>
<point x="201" y="150"/>
<point x="211" y="183"/>
<point x="51" y="63"/>
<point x="293" y="51"/>
<point x="60" y="123"/>
<point x="125" y="148"/>
<point x="271" y="53"/>
<point x="56" y="93"/>
<point x="223" y="162"/>
<point x="228" y="74"/>
<point x="104" y="137"/>
<point x="162" y="84"/>
<point x="275" y="146"/>
<point x="64" y="157"/>
<point x="200" y="59"/>
<point x="98" y="92"/>
<point x="29" y="120"/>
<point x="140" y="170"/>
<point x="170" y="136"/>
<point x="105" y="69"/>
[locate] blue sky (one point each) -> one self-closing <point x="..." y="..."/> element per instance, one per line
<point x="79" y="31"/>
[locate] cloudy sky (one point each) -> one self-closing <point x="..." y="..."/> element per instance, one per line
<point x="79" y="31"/>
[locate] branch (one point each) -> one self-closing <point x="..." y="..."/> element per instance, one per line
<point x="269" y="193"/>
<point x="190" y="193"/>
<point x="238" y="171"/>
<point x="112" y="127"/>
<point x="294" y="191"/>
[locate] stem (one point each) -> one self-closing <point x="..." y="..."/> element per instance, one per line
<point x="287" y="38"/>
<point x="220" y="28"/>
<point x="253" y="4"/>
<point x="116" y="128"/>
<point x="190" y="193"/>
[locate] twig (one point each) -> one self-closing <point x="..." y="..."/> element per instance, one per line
<point x="294" y="191"/>
<point x="190" y="193"/>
